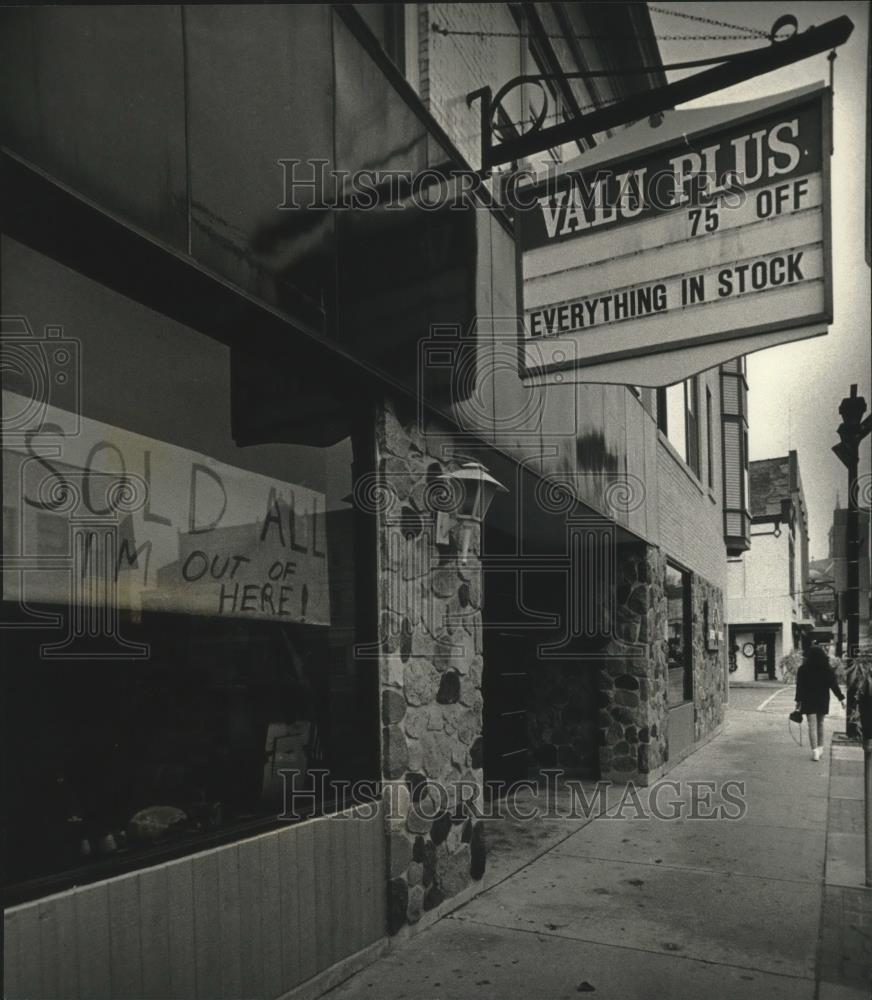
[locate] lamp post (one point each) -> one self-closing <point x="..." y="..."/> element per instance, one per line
<point x="851" y="431"/>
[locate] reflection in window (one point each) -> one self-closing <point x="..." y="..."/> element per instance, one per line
<point x="215" y="586"/>
<point x="680" y="651"/>
<point x="678" y="417"/>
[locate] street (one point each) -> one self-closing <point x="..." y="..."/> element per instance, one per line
<point x="643" y="908"/>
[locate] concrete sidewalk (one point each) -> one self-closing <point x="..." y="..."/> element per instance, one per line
<point x="648" y="908"/>
<point x="845" y="954"/>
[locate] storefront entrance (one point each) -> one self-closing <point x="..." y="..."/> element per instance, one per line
<point x="764" y="656"/>
<point x="539" y="685"/>
<point x="506" y="693"/>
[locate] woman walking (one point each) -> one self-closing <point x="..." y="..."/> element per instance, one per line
<point x="814" y="681"/>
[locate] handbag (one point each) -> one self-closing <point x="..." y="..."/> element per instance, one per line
<point x="795" y="716"/>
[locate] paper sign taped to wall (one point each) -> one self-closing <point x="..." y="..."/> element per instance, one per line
<point x="111" y="516"/>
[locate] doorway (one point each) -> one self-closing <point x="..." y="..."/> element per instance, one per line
<point x="506" y="693"/>
<point x="540" y="679"/>
<point x="764" y="656"/>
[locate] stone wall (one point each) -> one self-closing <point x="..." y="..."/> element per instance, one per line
<point x="430" y="654"/>
<point x="633" y="714"/>
<point x="709" y="680"/>
<point x="430" y="670"/>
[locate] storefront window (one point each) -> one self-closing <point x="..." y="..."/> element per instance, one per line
<point x="680" y="651"/>
<point x="180" y="613"/>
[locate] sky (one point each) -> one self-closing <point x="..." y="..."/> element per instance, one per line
<point x="794" y="390"/>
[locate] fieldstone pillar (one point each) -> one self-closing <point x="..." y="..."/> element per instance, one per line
<point x="430" y="660"/>
<point x="633" y="712"/>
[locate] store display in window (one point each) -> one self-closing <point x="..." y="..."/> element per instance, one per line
<point x="185" y="624"/>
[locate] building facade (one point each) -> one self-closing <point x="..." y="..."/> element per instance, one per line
<point x="267" y="659"/>
<point x="767" y="606"/>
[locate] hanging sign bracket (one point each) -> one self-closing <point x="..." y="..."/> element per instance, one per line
<point x="729" y="70"/>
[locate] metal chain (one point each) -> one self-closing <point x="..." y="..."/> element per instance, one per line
<point x="709" y="20"/>
<point x="515" y="35"/>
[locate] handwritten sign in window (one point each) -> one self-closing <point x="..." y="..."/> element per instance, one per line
<point x="163" y="528"/>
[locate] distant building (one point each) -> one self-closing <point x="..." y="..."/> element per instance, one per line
<point x="766" y="603"/>
<point x="821" y="593"/>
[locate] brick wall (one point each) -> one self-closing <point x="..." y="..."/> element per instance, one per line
<point x="459" y="64"/>
<point x="690" y="515"/>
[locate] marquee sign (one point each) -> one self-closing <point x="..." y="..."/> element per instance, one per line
<point x="677" y="246"/>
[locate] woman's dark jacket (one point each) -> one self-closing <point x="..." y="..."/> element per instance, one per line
<point x="813" y="686"/>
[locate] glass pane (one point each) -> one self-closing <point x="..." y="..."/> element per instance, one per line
<point x="188" y="614"/>
<point x="95" y="96"/>
<point x="247" y="112"/>
<point x="709" y="430"/>
<point x="679" y="655"/>
<point x="692" y="391"/>
<point x="408" y="266"/>
<point x="675" y="418"/>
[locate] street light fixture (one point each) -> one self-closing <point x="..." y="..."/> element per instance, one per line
<point x="477" y="491"/>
